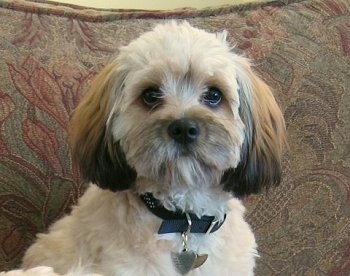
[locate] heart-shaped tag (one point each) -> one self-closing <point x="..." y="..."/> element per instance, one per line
<point x="186" y="260"/>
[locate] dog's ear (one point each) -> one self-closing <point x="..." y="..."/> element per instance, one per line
<point x="101" y="160"/>
<point x="261" y="153"/>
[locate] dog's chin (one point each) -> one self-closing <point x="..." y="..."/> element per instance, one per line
<point x="174" y="166"/>
<point x="190" y="180"/>
<point x="185" y="184"/>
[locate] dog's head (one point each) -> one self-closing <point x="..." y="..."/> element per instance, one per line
<point x="177" y="107"/>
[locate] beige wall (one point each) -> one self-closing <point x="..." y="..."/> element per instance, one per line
<point x="151" y="4"/>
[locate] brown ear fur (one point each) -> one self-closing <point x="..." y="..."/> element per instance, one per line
<point x="265" y="139"/>
<point x="101" y="160"/>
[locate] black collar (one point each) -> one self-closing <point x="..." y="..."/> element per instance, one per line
<point x="177" y="221"/>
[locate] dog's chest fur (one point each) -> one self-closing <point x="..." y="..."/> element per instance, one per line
<point x="115" y="234"/>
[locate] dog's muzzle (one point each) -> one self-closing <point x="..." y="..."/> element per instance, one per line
<point x="184" y="131"/>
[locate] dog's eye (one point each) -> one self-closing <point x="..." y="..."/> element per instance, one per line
<point x="212" y="97"/>
<point x="152" y="97"/>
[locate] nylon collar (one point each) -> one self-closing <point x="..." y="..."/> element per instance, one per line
<point x="177" y="222"/>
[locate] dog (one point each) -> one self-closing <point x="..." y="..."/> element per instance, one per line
<point x="172" y="134"/>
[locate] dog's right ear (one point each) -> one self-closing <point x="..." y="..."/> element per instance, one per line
<point x="101" y="160"/>
<point x="265" y="136"/>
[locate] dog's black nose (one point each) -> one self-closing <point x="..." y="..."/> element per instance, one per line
<point x="184" y="131"/>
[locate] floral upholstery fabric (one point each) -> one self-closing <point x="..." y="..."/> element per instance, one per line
<point x="49" y="53"/>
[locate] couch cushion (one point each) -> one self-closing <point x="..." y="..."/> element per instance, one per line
<point x="50" y="52"/>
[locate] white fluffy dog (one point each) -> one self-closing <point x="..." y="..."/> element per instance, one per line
<point x="172" y="133"/>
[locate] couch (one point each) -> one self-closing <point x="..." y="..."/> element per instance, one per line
<point x="50" y="52"/>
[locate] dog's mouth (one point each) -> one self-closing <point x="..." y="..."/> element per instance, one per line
<point x="184" y="150"/>
<point x="181" y="163"/>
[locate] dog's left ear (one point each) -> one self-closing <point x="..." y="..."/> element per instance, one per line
<point x="261" y="153"/>
<point x="100" y="158"/>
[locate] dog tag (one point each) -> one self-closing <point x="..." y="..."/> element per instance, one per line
<point x="184" y="261"/>
<point x="187" y="260"/>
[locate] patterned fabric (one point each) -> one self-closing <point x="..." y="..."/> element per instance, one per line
<point x="50" y="53"/>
